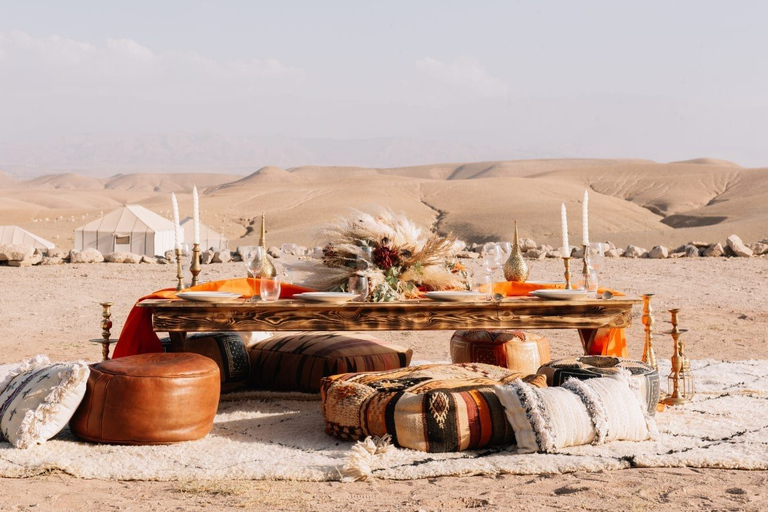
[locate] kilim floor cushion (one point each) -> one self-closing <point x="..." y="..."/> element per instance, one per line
<point x="297" y="361"/>
<point x="520" y="351"/>
<point x="644" y="380"/>
<point x="228" y="350"/>
<point x="432" y="408"/>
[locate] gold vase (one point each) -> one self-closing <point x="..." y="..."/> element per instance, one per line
<point x="267" y="267"/>
<point x="515" y="269"/>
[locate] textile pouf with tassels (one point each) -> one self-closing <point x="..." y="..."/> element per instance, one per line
<point x="431" y="408"/>
<point x="297" y="361"/>
<point x="644" y="380"/>
<point x="516" y="350"/>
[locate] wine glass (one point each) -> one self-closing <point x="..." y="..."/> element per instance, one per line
<point x="596" y="254"/>
<point x="254" y="260"/>
<point x="269" y="288"/>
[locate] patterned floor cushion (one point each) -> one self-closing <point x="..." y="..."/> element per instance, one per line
<point x="228" y="350"/>
<point x="298" y="361"/>
<point x="520" y="351"/>
<point x="432" y="408"/>
<point x="644" y="380"/>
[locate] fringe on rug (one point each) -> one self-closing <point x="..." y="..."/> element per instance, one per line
<point x="364" y="457"/>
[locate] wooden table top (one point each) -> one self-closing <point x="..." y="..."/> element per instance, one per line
<point x="297" y="315"/>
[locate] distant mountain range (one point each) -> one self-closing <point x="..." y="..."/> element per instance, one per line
<point x="105" y="155"/>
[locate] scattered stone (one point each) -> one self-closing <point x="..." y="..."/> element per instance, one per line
<point x="242" y="250"/>
<point x="274" y="251"/>
<point x="738" y="247"/>
<point x="317" y="252"/>
<point x="612" y="253"/>
<point x="714" y="251"/>
<point x="632" y="251"/>
<point x="85" y="256"/>
<point x="206" y="257"/>
<point x="658" y="253"/>
<point x="15" y="252"/>
<point x="48" y="260"/>
<point x="149" y="259"/>
<point x="34" y="259"/>
<point x="469" y="255"/>
<point x="122" y="257"/>
<point x="691" y="251"/>
<point x="760" y="248"/>
<point x="56" y="253"/>
<point x="578" y="253"/>
<point x="554" y="253"/>
<point x="526" y="244"/>
<point x="170" y="255"/>
<point x="535" y="254"/>
<point x="699" y="245"/>
<point x="301" y="250"/>
<point x="221" y="256"/>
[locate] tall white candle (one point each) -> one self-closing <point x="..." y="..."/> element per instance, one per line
<point x="196" y="214"/>
<point x="564" y="220"/>
<point x="585" y="218"/>
<point x="176" y="225"/>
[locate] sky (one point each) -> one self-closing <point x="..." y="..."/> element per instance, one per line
<point x="657" y="80"/>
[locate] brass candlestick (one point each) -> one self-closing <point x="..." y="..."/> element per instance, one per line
<point x="649" y="357"/>
<point x="567" y="273"/>
<point x="179" y="272"/>
<point x="586" y="270"/>
<point x="106" y="327"/>
<point x="195" y="267"/>
<point x="680" y="380"/>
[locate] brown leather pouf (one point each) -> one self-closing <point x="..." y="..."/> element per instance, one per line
<point x="520" y="351"/>
<point x="149" y="399"/>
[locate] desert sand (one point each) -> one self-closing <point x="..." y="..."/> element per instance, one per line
<point x="55" y="310"/>
<point x="632" y="201"/>
<point x="724" y="302"/>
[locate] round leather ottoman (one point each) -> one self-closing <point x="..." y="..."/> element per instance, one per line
<point x="149" y="399"/>
<point x="519" y="351"/>
<point x="644" y="380"/>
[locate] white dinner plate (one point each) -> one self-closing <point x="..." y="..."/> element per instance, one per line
<point x="330" y="297"/>
<point x="456" y="296"/>
<point x="208" y="296"/>
<point x="562" y="294"/>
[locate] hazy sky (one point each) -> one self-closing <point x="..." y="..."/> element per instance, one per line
<point x="660" y="80"/>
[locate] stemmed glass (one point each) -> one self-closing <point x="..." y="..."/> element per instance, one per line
<point x="254" y="260"/>
<point x="493" y="261"/>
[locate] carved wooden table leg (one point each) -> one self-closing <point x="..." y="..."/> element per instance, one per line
<point x="177" y="341"/>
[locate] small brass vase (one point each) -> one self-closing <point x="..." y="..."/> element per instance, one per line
<point x="515" y="269"/>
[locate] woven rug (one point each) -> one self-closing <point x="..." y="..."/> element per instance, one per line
<point x="282" y="437"/>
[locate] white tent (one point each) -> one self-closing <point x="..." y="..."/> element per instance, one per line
<point x="130" y="228"/>
<point x="14" y="235"/>
<point x="208" y="237"/>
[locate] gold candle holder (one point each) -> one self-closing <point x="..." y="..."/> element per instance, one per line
<point x="195" y="267"/>
<point x="567" y="273"/>
<point x="649" y="356"/>
<point x="179" y="272"/>
<point x="106" y="327"/>
<point x="680" y="379"/>
<point x="586" y="270"/>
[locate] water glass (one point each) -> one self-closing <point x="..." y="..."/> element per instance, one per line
<point x="358" y="285"/>
<point x="483" y="282"/>
<point x="269" y="289"/>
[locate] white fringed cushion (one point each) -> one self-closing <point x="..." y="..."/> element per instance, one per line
<point x="579" y="412"/>
<point x="39" y="400"/>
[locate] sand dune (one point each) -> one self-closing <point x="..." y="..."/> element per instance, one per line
<point x="632" y="200"/>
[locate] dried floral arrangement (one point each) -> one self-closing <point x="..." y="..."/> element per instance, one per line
<point x="396" y="255"/>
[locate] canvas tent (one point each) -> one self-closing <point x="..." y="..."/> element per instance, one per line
<point x="130" y="228"/>
<point x="208" y="237"/>
<point x="14" y="235"/>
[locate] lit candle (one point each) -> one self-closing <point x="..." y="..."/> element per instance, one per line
<point x="196" y="214"/>
<point x="564" y="219"/>
<point x="585" y="218"/>
<point x="176" y="225"/>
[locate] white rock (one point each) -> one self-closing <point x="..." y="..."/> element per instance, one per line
<point x="170" y="255"/>
<point x="149" y="259"/>
<point x="535" y="254"/>
<point x="659" y="252"/>
<point x="56" y="252"/>
<point x="221" y="256"/>
<point x="52" y="260"/>
<point x="274" y="251"/>
<point x="738" y="247"/>
<point x="691" y="251"/>
<point x="207" y="256"/>
<point x="633" y="251"/>
<point x="760" y="248"/>
<point x="612" y="253"/>
<point x="242" y="250"/>
<point x="15" y="252"/>
<point x="526" y="244"/>
<point x="714" y="251"/>
<point x="122" y="257"/>
<point x="317" y="252"/>
<point x="85" y="256"/>
<point x="34" y="259"/>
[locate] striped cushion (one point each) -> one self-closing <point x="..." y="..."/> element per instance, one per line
<point x="227" y="349"/>
<point x="432" y="408"/>
<point x="298" y="361"/>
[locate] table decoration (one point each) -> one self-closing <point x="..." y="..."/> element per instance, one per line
<point x="195" y="267"/>
<point x="106" y="327"/>
<point x="267" y="266"/>
<point x="399" y="256"/>
<point x="649" y="356"/>
<point x="515" y="268"/>
<point x="177" y="236"/>
<point x="680" y="381"/>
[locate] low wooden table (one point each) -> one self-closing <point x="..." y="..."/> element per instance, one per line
<point x="590" y="317"/>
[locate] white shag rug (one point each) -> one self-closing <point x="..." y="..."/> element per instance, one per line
<point x="282" y="437"/>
